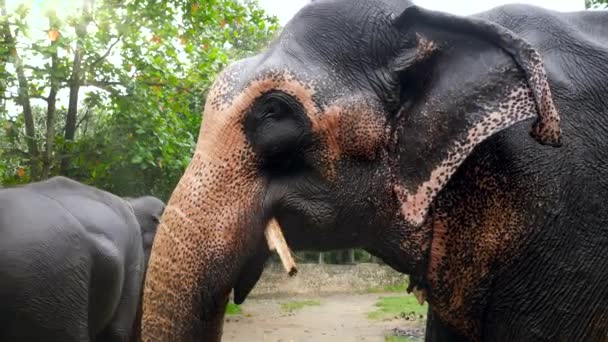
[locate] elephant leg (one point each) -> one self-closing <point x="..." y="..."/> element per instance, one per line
<point x="22" y="329"/>
<point x="436" y="331"/>
<point x="121" y="325"/>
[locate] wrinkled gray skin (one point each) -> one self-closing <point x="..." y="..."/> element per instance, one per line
<point x="72" y="261"/>
<point x="148" y="210"/>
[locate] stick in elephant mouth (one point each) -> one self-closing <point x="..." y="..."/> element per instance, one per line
<point x="276" y="240"/>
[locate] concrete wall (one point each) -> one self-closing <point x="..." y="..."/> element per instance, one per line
<point x="314" y="279"/>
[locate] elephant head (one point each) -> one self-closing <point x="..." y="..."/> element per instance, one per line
<point x="147" y="210"/>
<point x="345" y="129"/>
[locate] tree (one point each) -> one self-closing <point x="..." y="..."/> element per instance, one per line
<point x="112" y="93"/>
<point x="23" y="90"/>
<point x="596" y="4"/>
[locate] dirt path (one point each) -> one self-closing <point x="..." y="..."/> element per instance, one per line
<point x="338" y="318"/>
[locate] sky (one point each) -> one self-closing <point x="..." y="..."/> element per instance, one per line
<point x="285" y="9"/>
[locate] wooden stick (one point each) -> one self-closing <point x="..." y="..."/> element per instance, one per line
<point x="276" y="241"/>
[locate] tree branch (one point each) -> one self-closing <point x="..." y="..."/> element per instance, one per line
<point x="75" y="82"/>
<point x="106" y="85"/>
<point x="33" y="68"/>
<point x="51" y="107"/>
<point x="85" y="116"/>
<point x="107" y="53"/>
<point x="17" y="98"/>
<point x="39" y="97"/>
<point x="15" y="152"/>
<point x="24" y="96"/>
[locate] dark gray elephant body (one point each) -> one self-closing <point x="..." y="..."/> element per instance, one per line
<point x="148" y="211"/>
<point x="542" y="211"/>
<point x="468" y="152"/>
<point x="71" y="263"/>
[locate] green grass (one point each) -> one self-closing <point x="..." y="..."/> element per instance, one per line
<point x="391" y="307"/>
<point x="233" y="309"/>
<point x="297" y="305"/>
<point x="388" y="288"/>
<point x="399" y="339"/>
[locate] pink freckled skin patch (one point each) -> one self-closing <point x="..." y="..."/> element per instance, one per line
<point x="415" y="204"/>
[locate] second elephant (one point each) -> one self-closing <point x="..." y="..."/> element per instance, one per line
<point x="72" y="261"/>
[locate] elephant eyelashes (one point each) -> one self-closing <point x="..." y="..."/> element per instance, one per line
<point x="411" y="78"/>
<point x="414" y="80"/>
<point x="275" y="109"/>
<point x="278" y="129"/>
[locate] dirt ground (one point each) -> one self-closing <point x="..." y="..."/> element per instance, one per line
<point x="338" y="318"/>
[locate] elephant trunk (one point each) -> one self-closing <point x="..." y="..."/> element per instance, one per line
<point x="211" y="229"/>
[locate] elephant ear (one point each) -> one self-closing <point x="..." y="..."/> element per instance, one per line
<point x="485" y="82"/>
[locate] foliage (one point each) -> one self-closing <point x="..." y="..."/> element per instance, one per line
<point x="298" y="305"/>
<point x="401" y="288"/>
<point x="398" y="307"/>
<point x="399" y="339"/>
<point x="341" y="257"/>
<point x="233" y="309"/>
<point x="596" y="4"/>
<point x="115" y="90"/>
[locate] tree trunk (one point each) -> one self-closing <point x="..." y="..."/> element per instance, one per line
<point x="51" y="107"/>
<point x="321" y="261"/>
<point x="4" y="57"/>
<point x="23" y="95"/>
<point x="75" y="82"/>
<point x="351" y="256"/>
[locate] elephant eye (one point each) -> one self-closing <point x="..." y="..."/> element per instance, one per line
<point x="278" y="129"/>
<point x="413" y="84"/>
<point x="276" y="109"/>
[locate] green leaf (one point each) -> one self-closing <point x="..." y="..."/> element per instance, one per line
<point x="129" y="131"/>
<point x="137" y="159"/>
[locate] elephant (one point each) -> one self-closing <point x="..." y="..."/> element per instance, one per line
<point x="469" y="152"/>
<point x="72" y="261"/>
<point x="147" y="210"/>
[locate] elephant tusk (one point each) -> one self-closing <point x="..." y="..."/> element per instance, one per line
<point x="276" y="241"/>
<point x="420" y="295"/>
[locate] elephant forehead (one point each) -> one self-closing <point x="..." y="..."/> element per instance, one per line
<point x="234" y="91"/>
<point x="345" y="119"/>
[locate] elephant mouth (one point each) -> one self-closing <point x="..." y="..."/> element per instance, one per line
<point x="251" y="272"/>
<point x="297" y="223"/>
<point x="274" y="241"/>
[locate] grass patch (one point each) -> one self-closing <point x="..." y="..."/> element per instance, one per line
<point x="399" y="339"/>
<point x="233" y="309"/>
<point x="297" y="305"/>
<point x="401" y="306"/>
<point x="388" y="288"/>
